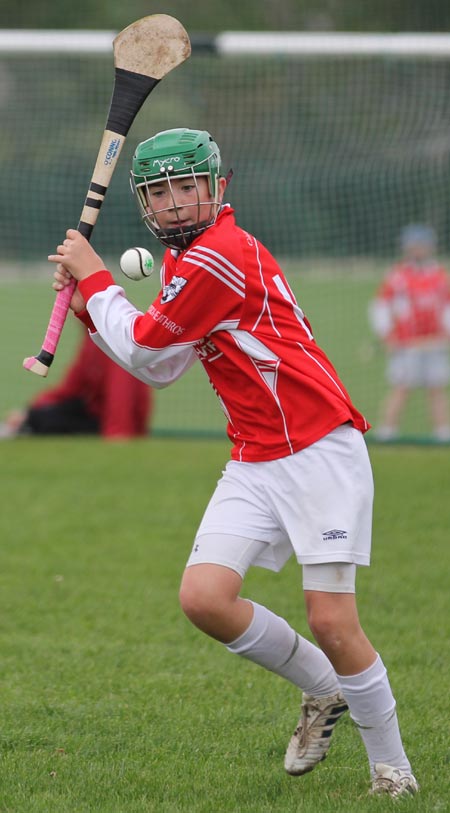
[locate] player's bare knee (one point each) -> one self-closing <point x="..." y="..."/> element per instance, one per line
<point x="208" y="593"/>
<point x="334" y="634"/>
<point x="326" y="628"/>
<point x="191" y="601"/>
<point x="198" y="601"/>
<point x="322" y="628"/>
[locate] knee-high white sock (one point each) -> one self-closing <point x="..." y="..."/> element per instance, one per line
<point x="372" y="707"/>
<point x="270" y="642"/>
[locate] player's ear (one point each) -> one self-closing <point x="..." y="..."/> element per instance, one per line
<point x="221" y="186"/>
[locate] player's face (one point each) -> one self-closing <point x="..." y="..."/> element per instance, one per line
<point x="419" y="251"/>
<point x="180" y="202"/>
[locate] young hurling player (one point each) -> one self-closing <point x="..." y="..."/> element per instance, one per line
<point x="299" y="480"/>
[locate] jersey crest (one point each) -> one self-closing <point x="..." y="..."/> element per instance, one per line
<point x="172" y="290"/>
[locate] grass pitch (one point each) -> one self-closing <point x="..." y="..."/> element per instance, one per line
<point x="334" y="298"/>
<point x="113" y="703"/>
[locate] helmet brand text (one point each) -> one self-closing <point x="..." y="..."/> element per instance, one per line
<point x="160" y="162"/>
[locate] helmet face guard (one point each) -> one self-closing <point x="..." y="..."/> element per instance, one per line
<point x="172" y="154"/>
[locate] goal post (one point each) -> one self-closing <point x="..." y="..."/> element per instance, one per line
<point x="330" y="45"/>
<point x="337" y="141"/>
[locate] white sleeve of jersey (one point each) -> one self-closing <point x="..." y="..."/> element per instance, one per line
<point x="159" y="374"/>
<point x="446" y="319"/>
<point x="380" y="318"/>
<point x="114" y="316"/>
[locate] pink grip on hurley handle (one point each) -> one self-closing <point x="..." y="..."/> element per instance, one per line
<point x="40" y="364"/>
<point x="58" y="317"/>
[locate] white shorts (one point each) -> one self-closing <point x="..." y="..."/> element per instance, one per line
<point x="418" y="367"/>
<point x="316" y="504"/>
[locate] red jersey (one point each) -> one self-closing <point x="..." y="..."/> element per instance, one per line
<point x="117" y="399"/>
<point x="225" y="301"/>
<point x="413" y="301"/>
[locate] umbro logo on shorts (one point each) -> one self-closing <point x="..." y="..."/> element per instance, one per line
<point x="331" y="536"/>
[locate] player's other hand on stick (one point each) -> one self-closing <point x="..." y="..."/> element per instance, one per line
<point x="77" y="256"/>
<point x="62" y="279"/>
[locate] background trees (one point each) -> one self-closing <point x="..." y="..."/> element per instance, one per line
<point x="209" y="17"/>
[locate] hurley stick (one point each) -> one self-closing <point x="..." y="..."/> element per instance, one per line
<point x="144" y="52"/>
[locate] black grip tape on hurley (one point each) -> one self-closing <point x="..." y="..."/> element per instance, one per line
<point x="129" y="94"/>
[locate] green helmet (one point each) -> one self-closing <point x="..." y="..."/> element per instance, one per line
<point x="171" y="154"/>
<point x="178" y="153"/>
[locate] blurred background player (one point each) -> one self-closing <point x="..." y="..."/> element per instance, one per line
<point x="411" y="316"/>
<point x="95" y="397"/>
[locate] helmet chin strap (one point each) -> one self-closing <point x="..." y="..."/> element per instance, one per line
<point x="174" y="238"/>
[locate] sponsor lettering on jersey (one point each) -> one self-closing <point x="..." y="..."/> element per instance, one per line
<point x="205" y="348"/>
<point x="172" y="290"/>
<point x="168" y="324"/>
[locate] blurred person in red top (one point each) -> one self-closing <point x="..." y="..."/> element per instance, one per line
<point x="411" y="316"/>
<point x="95" y="397"/>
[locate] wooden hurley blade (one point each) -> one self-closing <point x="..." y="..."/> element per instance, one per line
<point x="152" y="46"/>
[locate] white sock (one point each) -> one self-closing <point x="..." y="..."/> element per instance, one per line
<point x="372" y="707"/>
<point x="270" y="642"/>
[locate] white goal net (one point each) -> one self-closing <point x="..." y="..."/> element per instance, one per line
<point x="337" y="142"/>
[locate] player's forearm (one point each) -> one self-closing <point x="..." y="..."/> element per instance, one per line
<point x="114" y="318"/>
<point x="160" y="373"/>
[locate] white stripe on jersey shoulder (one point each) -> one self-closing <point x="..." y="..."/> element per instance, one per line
<point x="216" y="274"/>
<point x="219" y="267"/>
<point x="215" y="254"/>
<point x="228" y="324"/>
<point x="252" y="347"/>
